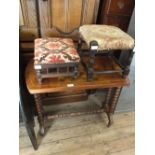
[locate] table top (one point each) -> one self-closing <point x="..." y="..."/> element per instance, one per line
<point x="52" y="85"/>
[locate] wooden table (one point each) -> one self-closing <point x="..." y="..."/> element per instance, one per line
<point x="112" y="82"/>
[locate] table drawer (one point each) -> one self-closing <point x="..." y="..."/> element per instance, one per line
<point x="124" y="7"/>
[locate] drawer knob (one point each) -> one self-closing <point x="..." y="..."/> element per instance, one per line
<point x="120" y="4"/>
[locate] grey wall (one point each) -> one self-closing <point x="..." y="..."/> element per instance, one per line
<point x="127" y="98"/>
<point x="131" y="28"/>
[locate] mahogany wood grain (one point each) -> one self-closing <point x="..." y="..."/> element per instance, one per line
<point x="64" y="97"/>
<point x="122" y="7"/>
<point x="119" y="21"/>
<point x="61" y="85"/>
<point x="116" y="12"/>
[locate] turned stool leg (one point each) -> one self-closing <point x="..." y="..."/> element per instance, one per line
<point x="113" y="105"/>
<point x="40" y="113"/>
<point x="39" y="78"/>
<point x="79" y="47"/>
<point x="93" y="50"/>
<point x="76" y="73"/>
<point x="127" y="65"/>
<point x="90" y="71"/>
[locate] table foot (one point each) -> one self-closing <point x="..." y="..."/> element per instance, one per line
<point x="32" y="135"/>
<point x="42" y="130"/>
<point x="110" y="119"/>
<point x="40" y="112"/>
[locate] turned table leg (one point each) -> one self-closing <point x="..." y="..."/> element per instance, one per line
<point x="113" y="104"/>
<point x="40" y="113"/>
<point x="115" y="99"/>
<point x="108" y="96"/>
<point x="106" y="105"/>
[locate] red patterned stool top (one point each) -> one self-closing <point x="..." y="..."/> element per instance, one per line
<point x="55" y="50"/>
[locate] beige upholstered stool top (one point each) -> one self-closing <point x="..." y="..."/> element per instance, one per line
<point x="108" y="37"/>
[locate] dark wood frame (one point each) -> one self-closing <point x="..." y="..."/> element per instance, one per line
<point x="108" y="106"/>
<point x="93" y="50"/>
<point x="46" y="67"/>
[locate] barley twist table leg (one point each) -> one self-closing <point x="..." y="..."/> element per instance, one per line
<point x="40" y="113"/>
<point x="113" y="105"/>
<point x="115" y="99"/>
<point x="106" y="103"/>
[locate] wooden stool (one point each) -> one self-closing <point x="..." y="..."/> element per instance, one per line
<point x="55" y="57"/>
<point x="105" y="39"/>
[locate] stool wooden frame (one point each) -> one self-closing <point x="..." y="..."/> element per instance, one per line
<point x="56" y="70"/>
<point x="93" y="50"/>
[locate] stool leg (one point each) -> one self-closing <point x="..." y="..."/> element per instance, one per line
<point x="127" y="65"/>
<point x="76" y="73"/>
<point x="39" y="78"/>
<point x="40" y="113"/>
<point x="113" y="105"/>
<point x="92" y="51"/>
<point x="90" y="71"/>
<point x="79" y="47"/>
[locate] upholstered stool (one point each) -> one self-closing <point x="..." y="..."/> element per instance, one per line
<point x="106" y="39"/>
<point x="55" y="57"/>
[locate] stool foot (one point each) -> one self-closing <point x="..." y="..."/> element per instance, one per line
<point x="40" y="112"/>
<point x="39" y="78"/>
<point x="76" y="74"/>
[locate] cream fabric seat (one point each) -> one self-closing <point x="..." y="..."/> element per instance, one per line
<point x="108" y="37"/>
